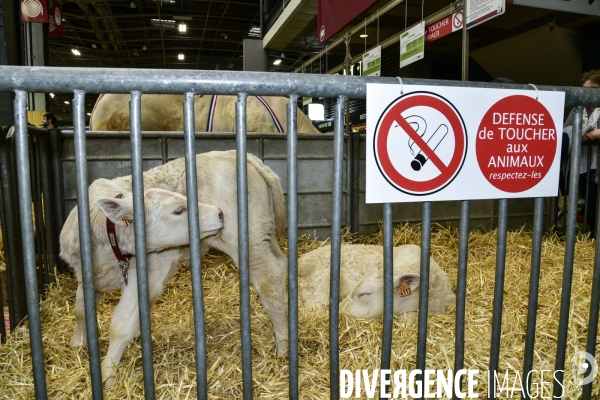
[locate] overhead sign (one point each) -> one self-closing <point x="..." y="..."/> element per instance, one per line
<point x="480" y="11"/>
<point x="412" y="44"/>
<point x="333" y="15"/>
<point x="588" y="7"/>
<point x="449" y="143"/>
<point x="371" y="64"/>
<point x="445" y="26"/>
<point x="34" y="11"/>
<point x="55" y="20"/>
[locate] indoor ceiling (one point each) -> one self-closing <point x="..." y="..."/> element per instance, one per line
<point x="145" y="34"/>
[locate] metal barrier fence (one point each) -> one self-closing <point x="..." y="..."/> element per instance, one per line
<point x="22" y="80"/>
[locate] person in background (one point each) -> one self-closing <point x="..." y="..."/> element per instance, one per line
<point x="48" y="121"/>
<point x="590" y="131"/>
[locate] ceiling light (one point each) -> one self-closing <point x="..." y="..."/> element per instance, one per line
<point x="89" y="114"/>
<point x="76" y="52"/>
<point x="254" y="32"/>
<point x="182" y="27"/>
<point x="182" y="17"/>
<point x="66" y="102"/>
<point x="167" y="23"/>
<point x="133" y="5"/>
<point x="364" y="35"/>
<point x="180" y="56"/>
<point x="144" y="47"/>
<point x="52" y="95"/>
<point x="94" y="45"/>
<point x="277" y="62"/>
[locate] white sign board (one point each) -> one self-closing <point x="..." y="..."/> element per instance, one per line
<point x="575" y="6"/>
<point x="449" y="143"/>
<point x="479" y="11"/>
<point x="371" y="64"/>
<point x="412" y="44"/>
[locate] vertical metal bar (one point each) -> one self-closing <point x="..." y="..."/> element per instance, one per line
<point x="42" y="278"/>
<point x="139" y="217"/>
<point x="195" y="259"/>
<point x="336" y="240"/>
<point x="57" y="187"/>
<point x="563" y="324"/>
<point x="24" y="183"/>
<point x="498" y="293"/>
<point x="292" y="218"/>
<point x="83" y="214"/>
<point x="11" y="236"/>
<point x="424" y="285"/>
<point x="48" y="205"/>
<point x="534" y="283"/>
<point x="354" y="181"/>
<point x="465" y="47"/>
<point x="388" y="288"/>
<point x="164" y="150"/>
<point x="461" y="290"/>
<point x="590" y="346"/>
<point x="242" y="198"/>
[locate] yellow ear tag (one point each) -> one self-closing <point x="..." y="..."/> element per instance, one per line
<point x="126" y="221"/>
<point x="404" y="289"/>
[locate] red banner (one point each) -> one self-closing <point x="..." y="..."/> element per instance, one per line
<point x="333" y="15"/>
<point x="34" y="11"/>
<point x="56" y="26"/>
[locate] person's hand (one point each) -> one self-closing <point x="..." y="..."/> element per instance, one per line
<point x="591" y="135"/>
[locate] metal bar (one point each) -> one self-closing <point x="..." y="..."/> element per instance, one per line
<point x="48" y="205"/>
<point x="27" y="237"/>
<point x="37" y="212"/>
<point x="424" y="286"/>
<point x="461" y="291"/>
<point x="336" y="240"/>
<point x="141" y="261"/>
<point x="593" y="319"/>
<point x="292" y="218"/>
<point x="534" y="283"/>
<point x="354" y="187"/>
<point x="388" y="290"/>
<point x="498" y="293"/>
<point x="11" y="236"/>
<point x="164" y="149"/>
<point x="57" y="187"/>
<point x="594" y="307"/>
<point x="85" y="239"/>
<point x="191" y="182"/>
<point x="242" y="199"/>
<point x="120" y="80"/>
<point x="563" y="324"/>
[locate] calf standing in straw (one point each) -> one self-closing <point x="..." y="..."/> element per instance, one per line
<point x="361" y="281"/>
<point x="114" y="261"/>
<point x="216" y="177"/>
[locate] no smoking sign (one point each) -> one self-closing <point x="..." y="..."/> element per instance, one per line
<point x="420" y="143"/>
<point x="450" y="143"/>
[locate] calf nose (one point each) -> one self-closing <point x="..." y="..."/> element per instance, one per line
<point x="221" y="216"/>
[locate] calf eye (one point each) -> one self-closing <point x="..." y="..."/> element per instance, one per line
<point x="365" y="294"/>
<point x="179" y="211"/>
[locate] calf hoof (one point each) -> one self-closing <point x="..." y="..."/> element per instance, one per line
<point x="108" y="376"/>
<point x="78" y="340"/>
<point x="282" y="348"/>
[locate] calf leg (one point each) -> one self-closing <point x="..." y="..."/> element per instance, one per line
<point x="268" y="274"/>
<point x="80" y="335"/>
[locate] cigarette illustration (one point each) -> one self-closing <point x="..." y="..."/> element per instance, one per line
<point x="433" y="140"/>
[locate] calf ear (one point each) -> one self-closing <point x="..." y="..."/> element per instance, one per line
<point x="118" y="210"/>
<point x="406" y="283"/>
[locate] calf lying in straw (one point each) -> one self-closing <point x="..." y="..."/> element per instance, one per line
<point x="111" y="215"/>
<point x="361" y="280"/>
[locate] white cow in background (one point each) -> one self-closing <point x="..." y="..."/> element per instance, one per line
<point x="216" y="177"/>
<point x="361" y="281"/>
<point x="213" y="113"/>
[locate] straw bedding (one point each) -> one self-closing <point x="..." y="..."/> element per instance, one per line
<point x="360" y="341"/>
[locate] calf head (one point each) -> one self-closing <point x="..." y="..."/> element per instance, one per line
<point x="366" y="300"/>
<point x="166" y="217"/>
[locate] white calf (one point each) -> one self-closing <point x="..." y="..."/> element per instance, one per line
<point x="167" y="237"/>
<point x="361" y="280"/>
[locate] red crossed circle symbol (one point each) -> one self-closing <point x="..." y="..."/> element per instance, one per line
<point x="393" y="114"/>
<point x="458" y="20"/>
